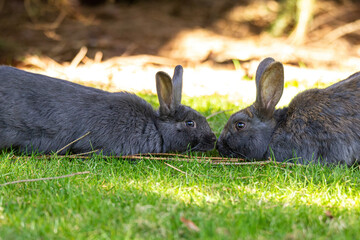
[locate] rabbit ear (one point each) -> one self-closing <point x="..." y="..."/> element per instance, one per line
<point x="269" y="86"/>
<point x="164" y="88"/>
<point x="177" y="84"/>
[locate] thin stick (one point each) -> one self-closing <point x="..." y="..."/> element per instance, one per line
<point x="72" y="142"/>
<point x="77" y="59"/>
<point x="174" y="157"/>
<point x="217" y="113"/>
<point x="160" y="154"/>
<point x="170" y="158"/>
<point x="258" y="163"/>
<point x="147" y="158"/>
<point x="44" y="179"/>
<point x="185" y="173"/>
<point x="85" y="153"/>
<point x="243" y="163"/>
<point x="153" y="155"/>
<point x="98" y="57"/>
<point x="169" y="165"/>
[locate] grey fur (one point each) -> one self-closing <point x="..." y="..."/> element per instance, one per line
<point x="318" y="125"/>
<point x="44" y="114"/>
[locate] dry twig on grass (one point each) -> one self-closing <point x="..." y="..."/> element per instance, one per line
<point x="44" y="179"/>
<point x="244" y="163"/>
<point x="72" y="142"/>
<point x="168" y="157"/>
<point x="85" y="153"/>
<point x="189" y="224"/>
<point x="169" y="165"/>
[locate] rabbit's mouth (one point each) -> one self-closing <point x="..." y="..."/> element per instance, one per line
<point x="225" y="151"/>
<point x="206" y="144"/>
<point x="202" y="147"/>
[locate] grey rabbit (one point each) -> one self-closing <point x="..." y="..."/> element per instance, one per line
<point x="43" y="114"/>
<point x="319" y="125"/>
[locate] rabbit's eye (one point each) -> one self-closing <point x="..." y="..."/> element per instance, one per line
<point x="239" y="125"/>
<point x="190" y="123"/>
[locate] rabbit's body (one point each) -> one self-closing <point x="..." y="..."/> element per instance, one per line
<point x="44" y="114"/>
<point x="327" y="125"/>
<point x="318" y="124"/>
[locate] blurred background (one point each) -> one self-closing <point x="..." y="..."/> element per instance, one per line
<point x="121" y="44"/>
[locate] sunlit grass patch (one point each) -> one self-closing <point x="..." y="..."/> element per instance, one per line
<point x="147" y="199"/>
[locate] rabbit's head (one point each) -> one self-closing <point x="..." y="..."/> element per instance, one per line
<point x="182" y="127"/>
<point x="248" y="132"/>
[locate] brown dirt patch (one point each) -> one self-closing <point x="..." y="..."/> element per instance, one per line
<point x="127" y="43"/>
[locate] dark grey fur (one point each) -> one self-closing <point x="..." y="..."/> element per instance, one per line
<point x="44" y="114"/>
<point x="318" y="125"/>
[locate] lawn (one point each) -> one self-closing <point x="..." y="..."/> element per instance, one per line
<point x="147" y="199"/>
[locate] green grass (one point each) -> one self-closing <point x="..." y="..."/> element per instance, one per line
<point x="146" y="199"/>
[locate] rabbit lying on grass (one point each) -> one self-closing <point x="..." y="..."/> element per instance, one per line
<point x="44" y="114"/>
<point x="318" y="125"/>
